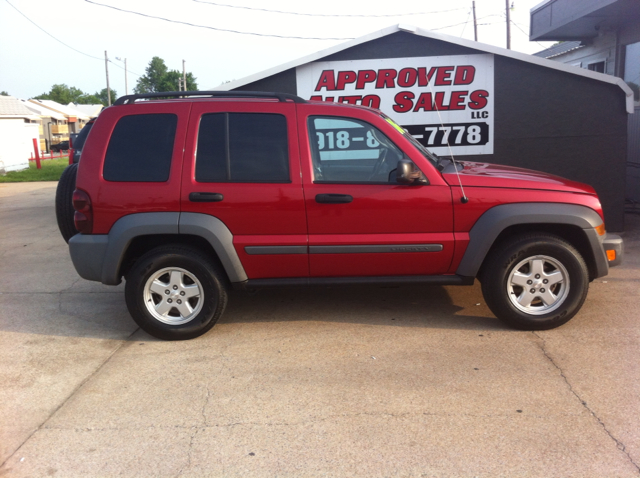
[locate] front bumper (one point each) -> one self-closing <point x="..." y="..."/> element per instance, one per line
<point x="613" y="249"/>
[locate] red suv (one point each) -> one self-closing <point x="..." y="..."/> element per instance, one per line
<point x="186" y="197"/>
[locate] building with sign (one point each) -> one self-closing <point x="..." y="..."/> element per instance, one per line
<point x="476" y="102"/>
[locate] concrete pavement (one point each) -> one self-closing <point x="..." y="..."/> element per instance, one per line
<point x="409" y="381"/>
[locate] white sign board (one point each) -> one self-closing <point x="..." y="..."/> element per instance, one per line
<point x="443" y="101"/>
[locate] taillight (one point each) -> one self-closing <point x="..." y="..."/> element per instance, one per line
<point x="83" y="217"/>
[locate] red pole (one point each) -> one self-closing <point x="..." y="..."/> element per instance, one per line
<point x="37" y="151"/>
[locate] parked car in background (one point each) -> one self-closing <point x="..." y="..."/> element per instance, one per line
<point x="61" y="146"/>
<point x="67" y="184"/>
<point x="78" y="142"/>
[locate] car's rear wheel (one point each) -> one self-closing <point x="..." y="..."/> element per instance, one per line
<point x="175" y="292"/>
<point x="535" y="281"/>
<point x="64" y="202"/>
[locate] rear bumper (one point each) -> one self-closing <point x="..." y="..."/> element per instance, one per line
<point x="88" y="252"/>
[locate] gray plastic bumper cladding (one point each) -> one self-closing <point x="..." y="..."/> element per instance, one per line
<point x="98" y="257"/>
<point x="613" y="242"/>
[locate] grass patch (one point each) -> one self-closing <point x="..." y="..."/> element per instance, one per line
<point x="51" y="171"/>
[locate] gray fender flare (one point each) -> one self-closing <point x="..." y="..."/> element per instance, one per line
<point x="489" y="226"/>
<point x="99" y="257"/>
<point x="125" y="230"/>
<point x="214" y="231"/>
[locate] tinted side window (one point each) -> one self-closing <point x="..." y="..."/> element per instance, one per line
<point x="140" y="148"/>
<point x="211" y="156"/>
<point x="242" y="147"/>
<point x="349" y="150"/>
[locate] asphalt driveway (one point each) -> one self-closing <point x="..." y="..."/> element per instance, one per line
<point x="371" y="382"/>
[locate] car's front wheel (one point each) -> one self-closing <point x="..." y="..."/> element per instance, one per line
<point x="175" y="292"/>
<point x="535" y="281"/>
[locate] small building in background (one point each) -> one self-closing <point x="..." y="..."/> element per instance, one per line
<point x="75" y="119"/>
<point x="90" y="110"/>
<point x="18" y="128"/>
<point x="53" y="126"/>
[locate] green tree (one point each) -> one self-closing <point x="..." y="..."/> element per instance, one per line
<point x="4" y="93"/>
<point x="159" y="78"/>
<point x="172" y="79"/>
<point x="62" y="94"/>
<point x="150" y="82"/>
<point x="102" y="97"/>
<point x="93" y="99"/>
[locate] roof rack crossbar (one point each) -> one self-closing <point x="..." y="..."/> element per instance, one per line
<point x="282" y="97"/>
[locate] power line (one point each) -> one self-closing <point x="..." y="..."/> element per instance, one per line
<point x="466" y="23"/>
<point x="448" y="26"/>
<point x="326" y="14"/>
<point x="60" y="41"/>
<point x="56" y="39"/>
<point x="122" y="68"/>
<point x="213" y="28"/>
<point x="518" y="27"/>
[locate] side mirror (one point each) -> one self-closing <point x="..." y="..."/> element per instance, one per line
<point x="408" y="173"/>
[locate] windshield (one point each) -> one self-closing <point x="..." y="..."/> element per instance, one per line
<point x="431" y="157"/>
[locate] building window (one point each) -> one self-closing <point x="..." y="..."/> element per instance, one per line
<point x="599" y="66"/>
<point x="632" y="68"/>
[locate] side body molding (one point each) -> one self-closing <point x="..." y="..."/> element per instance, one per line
<point x="219" y="236"/>
<point x="487" y="228"/>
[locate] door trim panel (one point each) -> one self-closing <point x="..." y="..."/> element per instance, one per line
<point x="375" y="248"/>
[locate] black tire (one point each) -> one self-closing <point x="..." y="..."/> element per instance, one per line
<point x="64" y="204"/>
<point x="181" y="271"/>
<point x="518" y="261"/>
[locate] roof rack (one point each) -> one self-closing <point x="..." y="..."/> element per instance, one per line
<point x="282" y="97"/>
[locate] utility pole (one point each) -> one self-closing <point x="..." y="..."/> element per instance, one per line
<point x="508" y="26"/>
<point x="475" y="22"/>
<point x="106" y="68"/>
<point x="126" y="84"/>
<point x="184" y="76"/>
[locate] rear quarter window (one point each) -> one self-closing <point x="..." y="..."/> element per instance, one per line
<point x="141" y="148"/>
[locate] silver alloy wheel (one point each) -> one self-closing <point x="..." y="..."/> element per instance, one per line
<point x="173" y="296"/>
<point x="538" y="285"/>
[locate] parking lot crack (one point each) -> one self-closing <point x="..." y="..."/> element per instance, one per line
<point x="204" y="406"/>
<point x="65" y="291"/>
<point x="621" y="446"/>
<point x="69" y="397"/>
<point x="189" y="452"/>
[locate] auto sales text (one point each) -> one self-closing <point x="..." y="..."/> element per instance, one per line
<point x="406" y="101"/>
